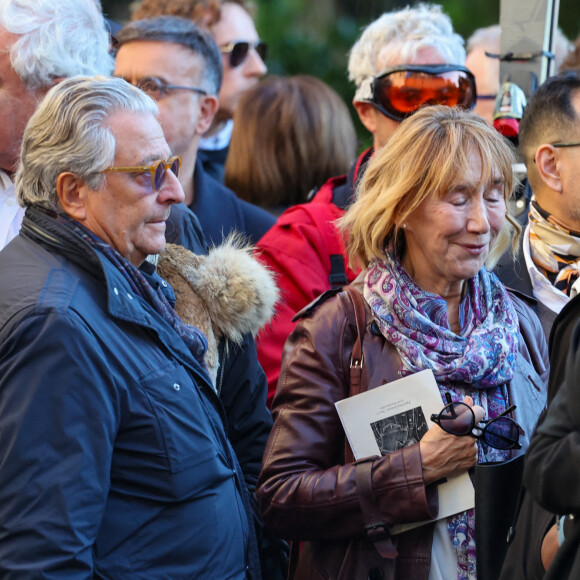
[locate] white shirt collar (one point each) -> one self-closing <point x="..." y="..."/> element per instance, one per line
<point x="220" y="140"/>
<point x="11" y="213"/>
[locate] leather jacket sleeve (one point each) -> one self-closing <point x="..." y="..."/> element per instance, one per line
<point x="305" y="490"/>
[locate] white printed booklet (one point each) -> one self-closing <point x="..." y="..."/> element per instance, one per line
<point x="396" y="415"/>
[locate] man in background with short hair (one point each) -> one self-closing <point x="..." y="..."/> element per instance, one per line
<point x="179" y="64"/>
<point x="243" y="59"/>
<point x="548" y="264"/>
<point x="547" y="268"/>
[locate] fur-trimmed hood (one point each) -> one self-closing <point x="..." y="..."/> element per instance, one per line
<point x="226" y="293"/>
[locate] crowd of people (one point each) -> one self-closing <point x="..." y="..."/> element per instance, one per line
<point x="197" y="267"/>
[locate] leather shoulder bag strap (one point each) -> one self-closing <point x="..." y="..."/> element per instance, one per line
<point x="357" y="357"/>
<point x="375" y="528"/>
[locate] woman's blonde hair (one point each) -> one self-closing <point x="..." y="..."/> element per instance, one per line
<point x="428" y="155"/>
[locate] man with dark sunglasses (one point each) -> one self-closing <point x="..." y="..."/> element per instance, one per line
<point x="402" y="61"/>
<point x="243" y="59"/>
<point x="180" y="66"/>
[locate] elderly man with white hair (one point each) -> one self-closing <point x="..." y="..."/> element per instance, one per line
<point x="114" y="453"/>
<point x="41" y="42"/>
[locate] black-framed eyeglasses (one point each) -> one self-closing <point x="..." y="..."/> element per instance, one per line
<point x="239" y="51"/>
<point x="458" y="419"/>
<point x="399" y="91"/>
<point x="157" y="88"/>
<point x="158" y="170"/>
<point x="560" y="146"/>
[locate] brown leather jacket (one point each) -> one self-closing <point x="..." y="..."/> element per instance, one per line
<point x="308" y="491"/>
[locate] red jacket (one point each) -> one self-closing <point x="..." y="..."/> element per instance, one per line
<point x="298" y="250"/>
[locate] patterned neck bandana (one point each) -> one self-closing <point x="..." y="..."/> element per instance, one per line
<point x="193" y="338"/>
<point x="478" y="362"/>
<point x="554" y="248"/>
<point x="415" y="321"/>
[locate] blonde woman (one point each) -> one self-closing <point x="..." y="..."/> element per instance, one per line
<point x="429" y="219"/>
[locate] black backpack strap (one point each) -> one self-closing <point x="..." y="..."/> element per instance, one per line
<point x="337" y="276"/>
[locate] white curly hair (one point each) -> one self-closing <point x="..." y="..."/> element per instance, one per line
<point x="57" y="38"/>
<point x="402" y="34"/>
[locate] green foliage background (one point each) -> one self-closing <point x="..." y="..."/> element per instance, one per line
<point x="314" y="36"/>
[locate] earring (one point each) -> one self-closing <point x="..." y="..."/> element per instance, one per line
<point x="404" y="226"/>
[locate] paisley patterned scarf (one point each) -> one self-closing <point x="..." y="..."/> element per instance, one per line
<point x="193" y="338"/>
<point x="478" y="362"/>
<point x="555" y="249"/>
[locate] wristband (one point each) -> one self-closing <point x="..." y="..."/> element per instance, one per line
<point x="564" y="525"/>
<point x="560" y="526"/>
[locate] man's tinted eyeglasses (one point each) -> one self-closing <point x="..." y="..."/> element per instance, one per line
<point x="458" y="419"/>
<point x="157" y="88"/>
<point x="157" y="170"/>
<point x="239" y="51"/>
<point x="399" y="91"/>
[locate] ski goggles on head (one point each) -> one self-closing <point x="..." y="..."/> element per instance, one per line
<point x="399" y="91"/>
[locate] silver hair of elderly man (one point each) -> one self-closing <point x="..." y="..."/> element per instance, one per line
<point x="69" y="132"/>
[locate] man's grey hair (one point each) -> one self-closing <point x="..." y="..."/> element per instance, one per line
<point x="58" y="38"/>
<point x="396" y="37"/>
<point x="488" y="38"/>
<point x="184" y="32"/>
<point x="69" y="132"/>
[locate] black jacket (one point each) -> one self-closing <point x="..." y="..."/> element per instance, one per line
<point x="523" y="561"/>
<point x="559" y="343"/>
<point x="513" y="273"/>
<point x="221" y="212"/>
<point x="552" y="470"/>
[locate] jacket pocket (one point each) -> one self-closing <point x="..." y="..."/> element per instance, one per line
<point x="186" y="421"/>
